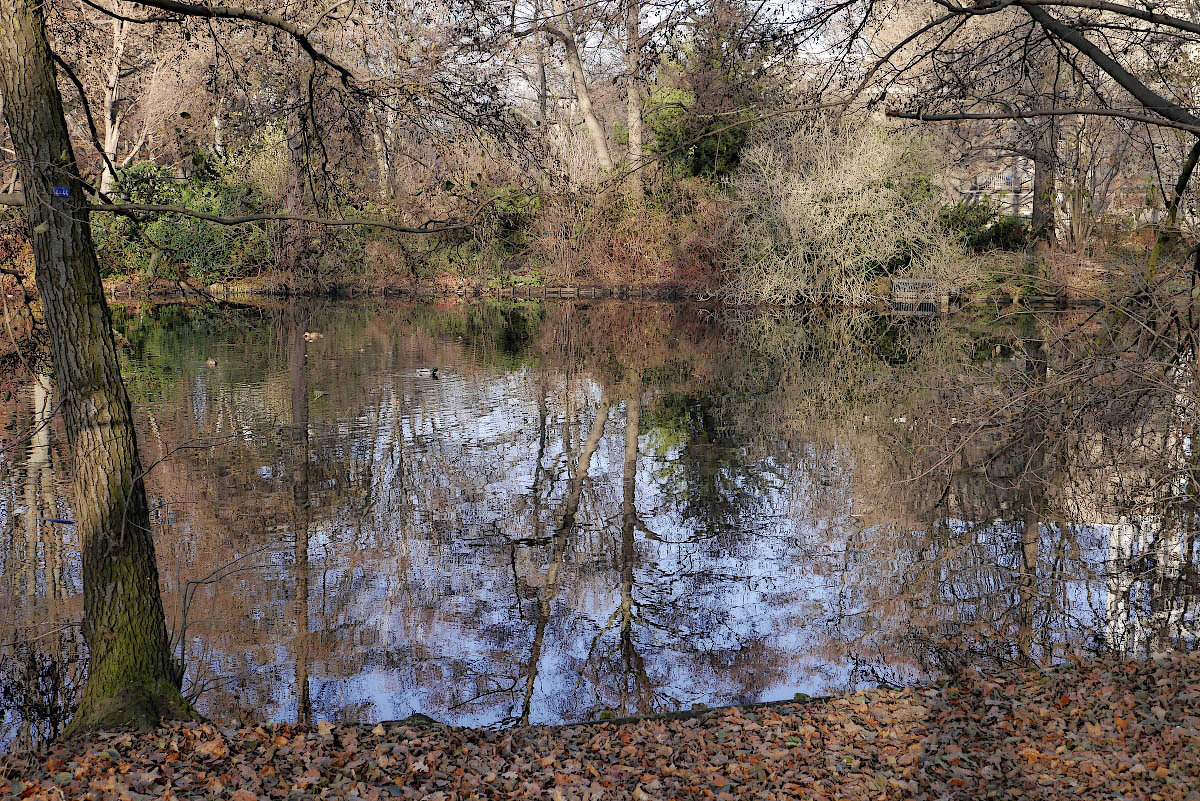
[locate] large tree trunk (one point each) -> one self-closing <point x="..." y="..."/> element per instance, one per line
<point x="133" y="678"/>
<point x="1044" y="185"/>
<point x="633" y="92"/>
<point x="582" y="94"/>
<point x="1045" y="159"/>
<point x="383" y="121"/>
<point x="291" y="257"/>
<point x="112" y="104"/>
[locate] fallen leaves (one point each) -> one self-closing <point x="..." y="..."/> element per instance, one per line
<point x="1079" y="730"/>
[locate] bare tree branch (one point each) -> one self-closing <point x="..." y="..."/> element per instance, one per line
<point x="250" y="15"/>
<point x="1047" y="112"/>
<point x="1126" y="11"/>
<point x="136" y="20"/>
<point x="1144" y="94"/>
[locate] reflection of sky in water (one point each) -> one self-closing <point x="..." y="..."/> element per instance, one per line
<point x="714" y="601"/>
<point x="431" y="526"/>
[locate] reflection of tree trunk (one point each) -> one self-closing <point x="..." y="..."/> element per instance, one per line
<point x="1031" y="491"/>
<point x="558" y="548"/>
<point x="635" y="666"/>
<point x="575" y="490"/>
<point x="132" y="675"/>
<point x="40" y="496"/>
<point x="298" y="377"/>
<point x="39" y="503"/>
<point x="1026" y="594"/>
<point x="545" y="600"/>
<point x="27" y="584"/>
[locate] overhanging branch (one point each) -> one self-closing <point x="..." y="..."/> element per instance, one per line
<point x="1144" y="14"/>
<point x="151" y="208"/>
<point x="1144" y="94"/>
<point x="1048" y="112"/>
<point x="261" y="17"/>
<point x="18" y="199"/>
<point x="135" y="20"/>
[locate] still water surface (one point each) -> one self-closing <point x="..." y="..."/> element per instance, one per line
<point x="501" y="513"/>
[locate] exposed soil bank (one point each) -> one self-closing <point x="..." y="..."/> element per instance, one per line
<point x="1089" y="730"/>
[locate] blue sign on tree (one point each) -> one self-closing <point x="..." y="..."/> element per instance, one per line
<point x="62" y="191"/>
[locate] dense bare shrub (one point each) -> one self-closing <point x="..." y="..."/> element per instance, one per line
<point x="826" y="208"/>
<point x="666" y="237"/>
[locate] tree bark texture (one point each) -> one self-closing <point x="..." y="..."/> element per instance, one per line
<point x="133" y="678"/>
<point x="383" y="123"/>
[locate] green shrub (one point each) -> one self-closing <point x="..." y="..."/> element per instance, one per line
<point x="178" y="245"/>
<point x="981" y="227"/>
<point x="699" y="145"/>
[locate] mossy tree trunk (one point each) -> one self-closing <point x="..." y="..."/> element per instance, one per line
<point x="1170" y="229"/>
<point x="133" y="678"/>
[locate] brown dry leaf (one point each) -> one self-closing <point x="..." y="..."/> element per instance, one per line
<point x="997" y="736"/>
<point x="214" y="748"/>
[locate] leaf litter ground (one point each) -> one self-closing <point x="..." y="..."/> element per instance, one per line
<point x="1081" y="730"/>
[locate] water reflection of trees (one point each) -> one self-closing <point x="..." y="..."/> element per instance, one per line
<point x="1027" y="503"/>
<point x="515" y="512"/>
<point x="39" y="648"/>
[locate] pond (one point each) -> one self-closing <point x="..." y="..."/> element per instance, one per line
<point x="521" y="512"/>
